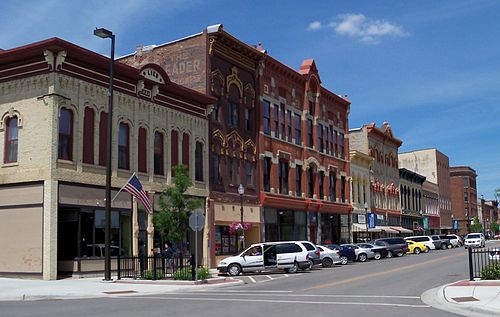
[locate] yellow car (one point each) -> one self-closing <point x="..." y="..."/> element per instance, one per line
<point x="416" y="247"/>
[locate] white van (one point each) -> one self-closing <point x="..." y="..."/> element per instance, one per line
<point x="285" y="255"/>
<point x="427" y="240"/>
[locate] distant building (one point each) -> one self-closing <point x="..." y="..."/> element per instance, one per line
<point x="411" y="195"/>
<point x="361" y="165"/>
<point x="435" y="166"/>
<point x="464" y="197"/>
<point x="381" y="144"/>
<point x="431" y="220"/>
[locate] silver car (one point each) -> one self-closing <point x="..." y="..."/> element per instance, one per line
<point x="328" y="256"/>
<point x="362" y="254"/>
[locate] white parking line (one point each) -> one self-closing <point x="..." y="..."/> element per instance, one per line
<point x="269" y="277"/>
<point x="282" y="301"/>
<point x="252" y="279"/>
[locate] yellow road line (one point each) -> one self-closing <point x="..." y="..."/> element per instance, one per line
<point x="372" y="275"/>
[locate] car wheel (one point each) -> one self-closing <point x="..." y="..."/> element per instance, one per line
<point x="293" y="269"/>
<point x="343" y="260"/>
<point x="234" y="269"/>
<point x="416" y="250"/>
<point x="444" y="246"/>
<point x="400" y="254"/>
<point x="427" y="250"/>
<point x="327" y="262"/>
<point x="377" y="256"/>
<point x="362" y="257"/>
<point x="389" y="254"/>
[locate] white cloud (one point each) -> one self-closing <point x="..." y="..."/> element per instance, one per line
<point x="314" y="26"/>
<point x="365" y="30"/>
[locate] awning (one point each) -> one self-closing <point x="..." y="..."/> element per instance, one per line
<point x="402" y="230"/>
<point x="357" y="227"/>
<point x="387" y="229"/>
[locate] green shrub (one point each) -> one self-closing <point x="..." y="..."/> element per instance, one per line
<point x="185" y="274"/>
<point x="491" y="272"/>
<point x="148" y="275"/>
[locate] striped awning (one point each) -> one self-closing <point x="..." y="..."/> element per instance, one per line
<point x="402" y="230"/>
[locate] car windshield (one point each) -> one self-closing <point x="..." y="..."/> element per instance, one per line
<point x="473" y="236"/>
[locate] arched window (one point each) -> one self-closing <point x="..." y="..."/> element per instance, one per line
<point x="103" y="137"/>
<point x="185" y="150"/>
<point x="11" y="139"/>
<point x="123" y="146"/>
<point x="88" y="135"/>
<point x="142" y="148"/>
<point x="65" y="149"/>
<point x="158" y="153"/>
<point x="174" y="149"/>
<point x="198" y="157"/>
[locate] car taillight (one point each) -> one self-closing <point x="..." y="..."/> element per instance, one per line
<point x="307" y="257"/>
<point x="317" y="252"/>
<point x="338" y="253"/>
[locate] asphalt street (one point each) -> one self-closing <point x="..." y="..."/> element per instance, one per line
<point x="389" y="287"/>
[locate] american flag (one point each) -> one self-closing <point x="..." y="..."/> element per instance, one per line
<point x="134" y="187"/>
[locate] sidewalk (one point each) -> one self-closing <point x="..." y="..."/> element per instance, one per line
<point x="21" y="289"/>
<point x="468" y="298"/>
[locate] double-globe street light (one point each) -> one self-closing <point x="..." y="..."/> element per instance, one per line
<point x="241" y="191"/>
<point x="103" y="33"/>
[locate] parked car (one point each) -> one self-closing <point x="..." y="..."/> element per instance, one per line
<point x="454" y="242"/>
<point x="494" y="254"/>
<point x="313" y="251"/>
<point x="346" y="253"/>
<point x="416" y="247"/>
<point x="287" y="255"/>
<point x="453" y="236"/>
<point x="427" y="240"/>
<point x="378" y="251"/>
<point x="440" y="243"/>
<point x="395" y="246"/>
<point x="328" y="256"/>
<point x="362" y="254"/>
<point x="474" y="240"/>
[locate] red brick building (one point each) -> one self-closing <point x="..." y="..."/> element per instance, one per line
<point x="303" y="156"/>
<point x="217" y="64"/>
<point x="463" y="196"/>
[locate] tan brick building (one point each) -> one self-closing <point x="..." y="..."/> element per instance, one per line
<point x="53" y="118"/>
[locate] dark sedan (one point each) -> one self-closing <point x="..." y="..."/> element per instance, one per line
<point x="346" y="253"/>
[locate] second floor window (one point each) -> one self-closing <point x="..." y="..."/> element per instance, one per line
<point x="65" y="148"/>
<point x="233" y="114"/>
<point x="11" y="140"/>
<point x="217" y="179"/>
<point x="143" y="150"/>
<point x="342" y="148"/>
<point x="289" y="124"/>
<point x="198" y="162"/>
<point x="298" y="131"/>
<point x="310" y="181"/>
<point x="310" y="140"/>
<point x="158" y="153"/>
<point x="266" y="112"/>
<point x="88" y="135"/>
<point x="333" y="188"/>
<point x="342" y="189"/>
<point x="466" y="196"/>
<point x="248" y="121"/>
<point x="283" y="177"/>
<point x="123" y="146"/>
<point x="249" y="173"/>
<point x="266" y="173"/>
<point x="335" y="143"/>
<point x="321" y="176"/>
<point x="282" y="119"/>
<point x="298" y="180"/>
<point x="276" y="121"/>
<point x="320" y="138"/>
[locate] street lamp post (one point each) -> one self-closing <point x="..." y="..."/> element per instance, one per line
<point x="241" y="191"/>
<point x="468" y="222"/>
<point x="366" y="219"/>
<point x="103" y="33"/>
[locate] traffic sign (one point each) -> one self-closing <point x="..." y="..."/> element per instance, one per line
<point x="197" y="221"/>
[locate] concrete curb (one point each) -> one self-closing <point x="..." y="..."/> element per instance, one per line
<point x="435" y="298"/>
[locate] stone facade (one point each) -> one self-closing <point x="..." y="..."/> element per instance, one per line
<point x="435" y="166"/>
<point x="361" y="164"/>
<point x="382" y="145"/>
<point x="43" y="82"/>
<point x="411" y="193"/>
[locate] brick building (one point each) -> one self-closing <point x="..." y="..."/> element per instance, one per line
<point x="217" y="64"/>
<point x="463" y="197"/>
<point x="431" y="222"/>
<point x="435" y="166"/>
<point x="53" y="111"/>
<point x="381" y="144"/>
<point x="411" y="195"/>
<point x="303" y="156"/>
<point x="361" y="164"/>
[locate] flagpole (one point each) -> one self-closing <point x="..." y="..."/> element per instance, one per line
<point x="122" y="187"/>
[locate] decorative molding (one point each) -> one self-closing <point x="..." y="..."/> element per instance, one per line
<point x="61" y="56"/>
<point x="217" y="75"/>
<point x="233" y="79"/>
<point x="9" y="114"/>
<point x="49" y="57"/>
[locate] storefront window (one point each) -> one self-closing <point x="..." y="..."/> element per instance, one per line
<point x="225" y="242"/>
<point x="271" y="221"/>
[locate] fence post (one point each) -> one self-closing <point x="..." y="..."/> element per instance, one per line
<point x="471" y="267"/>
<point x="155" y="276"/>
<point x="193" y="268"/>
<point x="118" y="266"/>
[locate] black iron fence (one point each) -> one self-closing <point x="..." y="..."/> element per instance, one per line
<point x="154" y="267"/>
<point x="481" y="259"/>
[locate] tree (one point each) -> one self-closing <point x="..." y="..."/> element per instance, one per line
<point x="496" y="193"/>
<point x="476" y="226"/>
<point x="493" y="227"/>
<point x="176" y="207"/>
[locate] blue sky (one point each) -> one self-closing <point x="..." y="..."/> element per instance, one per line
<point x="429" y="68"/>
